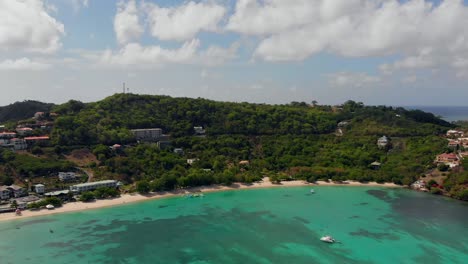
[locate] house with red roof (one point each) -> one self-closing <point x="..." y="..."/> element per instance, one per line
<point x="42" y="140"/>
<point x="449" y="159"/>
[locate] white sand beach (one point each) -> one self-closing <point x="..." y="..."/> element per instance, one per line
<point x="131" y="198"/>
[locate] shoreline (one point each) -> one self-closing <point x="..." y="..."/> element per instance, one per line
<point x="133" y="198"/>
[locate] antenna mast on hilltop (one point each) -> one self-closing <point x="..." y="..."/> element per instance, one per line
<point x="127" y="89"/>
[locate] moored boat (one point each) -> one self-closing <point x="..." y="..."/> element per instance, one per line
<point x="328" y="239"/>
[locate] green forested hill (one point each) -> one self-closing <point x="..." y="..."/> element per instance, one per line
<point x="22" y="110"/>
<point x="293" y="141"/>
<point x="108" y="121"/>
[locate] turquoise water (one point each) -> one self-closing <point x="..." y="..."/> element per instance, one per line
<point x="280" y="225"/>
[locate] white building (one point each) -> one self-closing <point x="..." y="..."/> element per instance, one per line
<point x="147" y="133"/>
<point x="199" y="130"/>
<point x="179" y="151"/>
<point x="39" y="188"/>
<point x="382" y="142"/>
<point x="89" y="186"/>
<point x="66" y="176"/>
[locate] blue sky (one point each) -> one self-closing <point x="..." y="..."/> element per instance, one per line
<point x="412" y="52"/>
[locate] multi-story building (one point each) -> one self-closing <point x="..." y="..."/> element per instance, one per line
<point x="147" y="133"/>
<point x="89" y="186"/>
<point x="4" y="193"/>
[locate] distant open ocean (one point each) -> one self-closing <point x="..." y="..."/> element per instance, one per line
<point x="448" y="113"/>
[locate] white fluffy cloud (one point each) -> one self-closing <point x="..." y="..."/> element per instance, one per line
<point x="297" y="29"/>
<point x="352" y="80"/>
<point x="25" y="25"/>
<point x="126" y="22"/>
<point x="22" y="64"/>
<point x="134" y="54"/>
<point x="185" y="21"/>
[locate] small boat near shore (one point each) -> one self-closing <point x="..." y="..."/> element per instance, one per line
<point x="194" y="195"/>
<point x="312" y="191"/>
<point x="328" y="239"/>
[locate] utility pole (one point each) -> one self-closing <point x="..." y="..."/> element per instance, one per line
<point x="124" y="88"/>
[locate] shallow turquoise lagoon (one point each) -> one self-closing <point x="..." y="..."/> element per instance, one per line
<point x="277" y="225"/>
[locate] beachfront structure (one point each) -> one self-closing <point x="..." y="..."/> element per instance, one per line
<point x="17" y="191"/>
<point x="62" y="194"/>
<point x="67" y="176"/>
<point x="39" y="188"/>
<point x="89" y="186"/>
<point x="382" y="142"/>
<point x="147" y="133"/>
<point x="4" y="193"/>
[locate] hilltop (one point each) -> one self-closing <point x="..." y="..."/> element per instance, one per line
<point x="22" y="110"/>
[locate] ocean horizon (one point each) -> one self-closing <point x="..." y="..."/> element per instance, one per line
<point x="448" y="113"/>
<point x="276" y="225"/>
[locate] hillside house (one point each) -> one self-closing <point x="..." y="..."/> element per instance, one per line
<point x="164" y="144"/>
<point x="244" y="162"/>
<point x="66" y="176"/>
<point x="42" y="140"/>
<point x="453" y="144"/>
<point x="23" y="131"/>
<point x="454" y="133"/>
<point x="179" y="151"/>
<point x="19" y="144"/>
<point x="382" y="142"/>
<point x="449" y="159"/>
<point x="375" y="165"/>
<point x="191" y="161"/>
<point x="7" y="135"/>
<point x="343" y="123"/>
<point x="39" y="115"/>
<point x="199" y="130"/>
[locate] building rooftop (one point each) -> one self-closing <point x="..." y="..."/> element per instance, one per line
<point x="57" y="193"/>
<point x="93" y="183"/>
<point x="37" y="138"/>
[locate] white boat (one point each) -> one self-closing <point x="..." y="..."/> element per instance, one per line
<point x="312" y="191"/>
<point x="50" y="207"/>
<point x="328" y="239"/>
